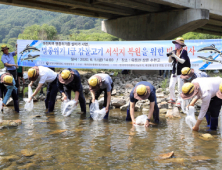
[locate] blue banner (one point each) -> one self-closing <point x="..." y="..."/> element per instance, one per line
<point x="130" y="55"/>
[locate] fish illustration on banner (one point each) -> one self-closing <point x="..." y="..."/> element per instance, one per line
<point x="130" y="55"/>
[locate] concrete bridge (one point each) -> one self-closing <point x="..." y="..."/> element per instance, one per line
<point x="140" y="19"/>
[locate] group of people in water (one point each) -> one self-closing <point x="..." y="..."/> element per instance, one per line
<point x="192" y="86"/>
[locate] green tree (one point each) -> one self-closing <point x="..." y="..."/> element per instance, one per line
<point x="195" y="35"/>
<point x="37" y="32"/>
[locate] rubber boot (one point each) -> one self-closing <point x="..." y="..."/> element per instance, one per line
<point x="16" y="105"/>
<point x="128" y="117"/>
<point x="208" y="120"/>
<point x="107" y="115"/>
<point x="213" y="123"/>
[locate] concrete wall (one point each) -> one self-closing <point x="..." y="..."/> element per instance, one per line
<point x="156" y="26"/>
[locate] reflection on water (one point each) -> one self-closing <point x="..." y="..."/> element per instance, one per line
<point x="79" y="142"/>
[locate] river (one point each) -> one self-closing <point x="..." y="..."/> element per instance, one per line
<point x="77" y="142"/>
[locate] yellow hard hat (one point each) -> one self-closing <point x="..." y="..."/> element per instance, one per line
<point x="220" y="87"/>
<point x="180" y="39"/>
<point x="31" y="72"/>
<point x="93" y="81"/>
<point x="8" y="79"/>
<point x="188" y="88"/>
<point x="185" y="71"/>
<point x="141" y="90"/>
<point x="3" y="46"/>
<point x="66" y="74"/>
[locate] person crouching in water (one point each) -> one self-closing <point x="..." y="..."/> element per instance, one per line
<point x="204" y="89"/>
<point x="188" y="74"/>
<point x="142" y="91"/>
<point x="179" y="59"/>
<point x="99" y="83"/>
<point x="69" y="80"/>
<point x="46" y="76"/>
<point x="8" y="88"/>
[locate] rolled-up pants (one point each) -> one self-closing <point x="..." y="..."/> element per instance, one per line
<point x="52" y="91"/>
<point x="173" y="81"/>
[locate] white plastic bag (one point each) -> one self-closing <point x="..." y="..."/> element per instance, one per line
<point x="190" y="119"/>
<point x="28" y="105"/>
<point x="141" y="120"/>
<point x="63" y="105"/>
<point x="183" y="106"/>
<point x="69" y="107"/>
<point x="1" y="105"/>
<point x="95" y="113"/>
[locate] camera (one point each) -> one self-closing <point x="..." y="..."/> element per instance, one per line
<point x="169" y="54"/>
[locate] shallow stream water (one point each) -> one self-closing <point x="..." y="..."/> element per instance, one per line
<point x="77" y="142"/>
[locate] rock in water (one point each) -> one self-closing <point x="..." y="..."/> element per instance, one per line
<point x="200" y="158"/>
<point x="206" y="136"/>
<point x="118" y="102"/>
<point x="27" y="153"/>
<point x="10" y="123"/>
<point x="166" y="155"/>
<point x="176" y="112"/>
<point x="58" y="131"/>
<point x="124" y="107"/>
<point x="173" y="113"/>
<point x="169" y="114"/>
<point x="163" y="111"/>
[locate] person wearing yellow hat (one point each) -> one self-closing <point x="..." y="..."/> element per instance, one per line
<point x="179" y="59"/>
<point x="7" y="89"/>
<point x="69" y="80"/>
<point x="46" y="75"/>
<point x="9" y="62"/>
<point x="142" y="91"/>
<point x="188" y="74"/>
<point x="99" y="83"/>
<point x="204" y="89"/>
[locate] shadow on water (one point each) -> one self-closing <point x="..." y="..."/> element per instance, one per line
<point x="59" y="142"/>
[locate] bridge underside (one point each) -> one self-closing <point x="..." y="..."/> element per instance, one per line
<point x="158" y="19"/>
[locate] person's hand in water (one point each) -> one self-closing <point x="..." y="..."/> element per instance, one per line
<point x="147" y="123"/>
<point x="195" y="128"/>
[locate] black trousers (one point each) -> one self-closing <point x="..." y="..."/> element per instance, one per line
<point x="3" y="91"/>
<point x="98" y="93"/>
<point x="82" y="100"/>
<point x="52" y="91"/>
<point x="214" y="107"/>
<point x="14" y="74"/>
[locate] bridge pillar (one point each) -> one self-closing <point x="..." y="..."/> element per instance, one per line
<point x="156" y="26"/>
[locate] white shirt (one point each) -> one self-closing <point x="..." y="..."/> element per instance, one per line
<point x="208" y="87"/>
<point x="200" y="73"/>
<point x="46" y="75"/>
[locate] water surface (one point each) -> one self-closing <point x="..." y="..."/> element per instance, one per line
<point x="77" y="142"/>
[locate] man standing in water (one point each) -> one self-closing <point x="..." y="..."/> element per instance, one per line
<point x="8" y="88"/>
<point x="99" y="83"/>
<point x="142" y="91"/>
<point x="204" y="89"/>
<point x="46" y="76"/>
<point x="68" y="80"/>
